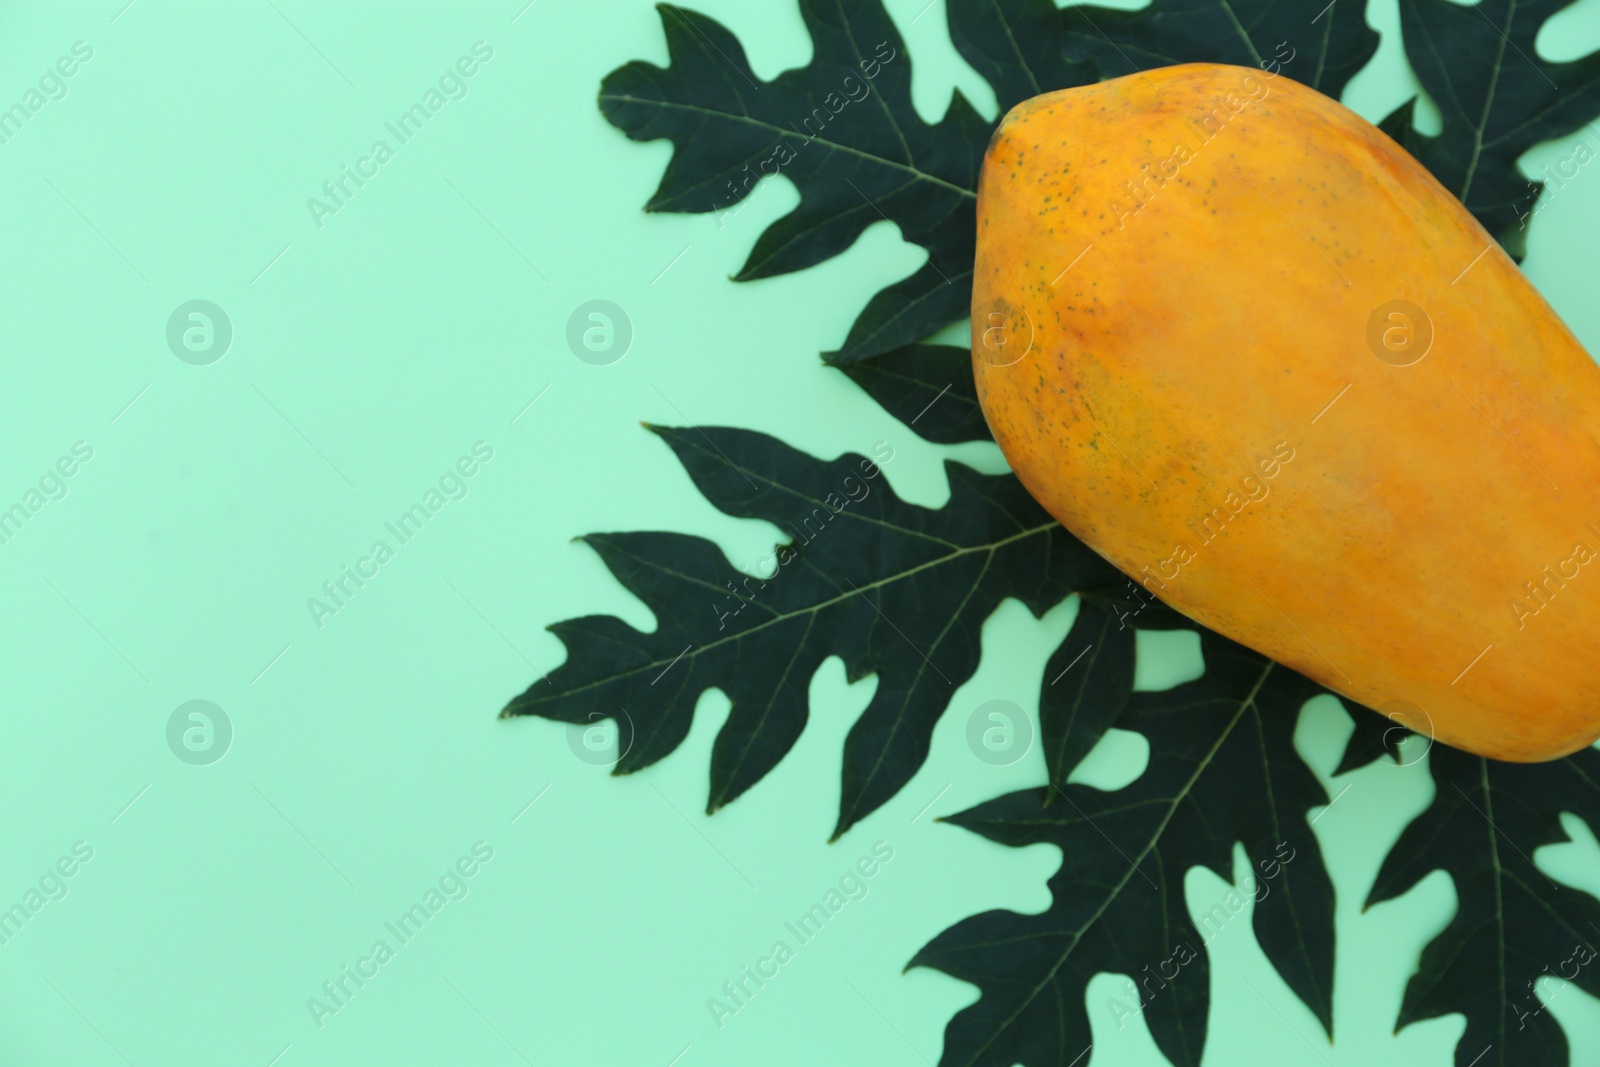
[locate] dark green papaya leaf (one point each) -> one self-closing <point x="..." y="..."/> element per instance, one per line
<point x="1222" y="770"/>
<point x="1513" y="924"/>
<point x="1399" y="125"/>
<point x="1135" y="608"/>
<point x="1087" y="683"/>
<point x="1322" y="47"/>
<point x="857" y="151"/>
<point x="891" y="588"/>
<point x="1496" y="100"/>
<point x="902" y="591"/>
<point x="1018" y="46"/>
<point x="1375" y="736"/>
<point x="843" y="129"/>
<point x="930" y="388"/>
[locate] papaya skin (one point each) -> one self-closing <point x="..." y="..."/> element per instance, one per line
<point x="1187" y="342"/>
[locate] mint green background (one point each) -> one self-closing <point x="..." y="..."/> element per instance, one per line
<point x="368" y="757"/>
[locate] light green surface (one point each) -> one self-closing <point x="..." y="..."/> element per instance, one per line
<point x="366" y="757"/>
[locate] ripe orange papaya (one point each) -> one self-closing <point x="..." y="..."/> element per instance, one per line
<point x="1242" y="344"/>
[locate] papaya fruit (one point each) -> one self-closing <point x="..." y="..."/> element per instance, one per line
<point x="1244" y="346"/>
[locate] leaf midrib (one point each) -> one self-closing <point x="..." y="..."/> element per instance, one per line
<point x="1482" y="127"/>
<point x="1011" y="38"/>
<point x="860" y="590"/>
<point x="777" y="486"/>
<point x="847" y="817"/>
<point x="1245" y="703"/>
<point x="1499" y="897"/>
<point x="1244" y="35"/>
<point x="763" y="124"/>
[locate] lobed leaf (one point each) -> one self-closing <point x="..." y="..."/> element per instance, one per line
<point x="1323" y="48"/>
<point x="1496" y="100"/>
<point x="930" y="388"/>
<point x="893" y="589"/>
<point x="1222" y="770"/>
<point x="1513" y="923"/>
<point x="842" y="129"/>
